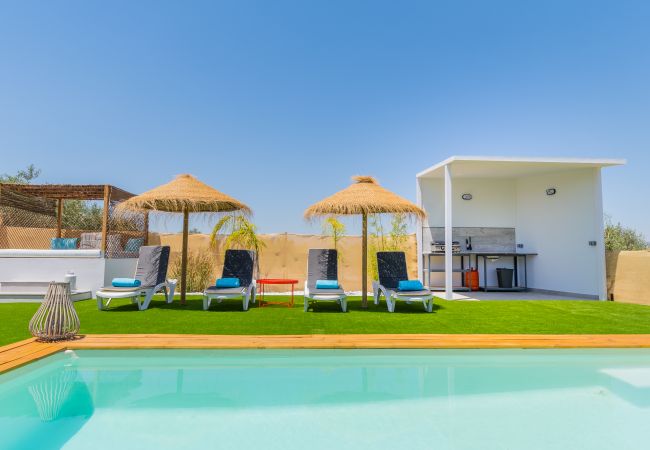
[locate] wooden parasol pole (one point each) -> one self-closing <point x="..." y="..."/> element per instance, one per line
<point x="186" y="219"/>
<point x="364" y="260"/>
<point x="59" y="216"/>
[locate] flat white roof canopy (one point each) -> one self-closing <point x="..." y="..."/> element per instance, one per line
<point x="511" y="167"/>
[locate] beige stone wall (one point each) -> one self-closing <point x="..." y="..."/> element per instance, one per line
<point x="628" y="276"/>
<point x="285" y="255"/>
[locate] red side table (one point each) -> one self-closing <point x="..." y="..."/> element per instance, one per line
<point x="264" y="281"/>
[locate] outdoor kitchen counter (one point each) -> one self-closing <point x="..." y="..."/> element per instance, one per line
<point x="473" y="253"/>
<point x="484" y="255"/>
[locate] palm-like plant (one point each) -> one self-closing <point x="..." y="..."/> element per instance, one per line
<point x="335" y="229"/>
<point x="241" y="233"/>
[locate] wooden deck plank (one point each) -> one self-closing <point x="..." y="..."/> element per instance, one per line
<point x="23" y="352"/>
<point x="14" y="355"/>
<point x="17" y="344"/>
<point x="360" y="341"/>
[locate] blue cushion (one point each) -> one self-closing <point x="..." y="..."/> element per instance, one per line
<point x="410" y="285"/>
<point x="63" y="243"/>
<point x="125" y="282"/>
<point x="228" y="283"/>
<point x="327" y="284"/>
<point x="133" y="245"/>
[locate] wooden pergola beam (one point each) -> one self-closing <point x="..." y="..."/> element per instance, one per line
<point x="59" y="216"/>
<point x="70" y="191"/>
<point x="146" y="228"/>
<point x="107" y="202"/>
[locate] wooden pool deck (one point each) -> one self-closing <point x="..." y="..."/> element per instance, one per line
<point x="23" y="352"/>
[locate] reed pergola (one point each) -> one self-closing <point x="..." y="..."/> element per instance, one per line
<point x="36" y="201"/>
<point x="363" y="197"/>
<point x="184" y="194"/>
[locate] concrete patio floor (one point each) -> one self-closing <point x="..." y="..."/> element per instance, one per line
<point x="470" y="296"/>
<point x="505" y="296"/>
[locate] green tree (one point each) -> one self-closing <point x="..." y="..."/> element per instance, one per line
<point x="241" y="233"/>
<point x="22" y="176"/>
<point x="81" y="215"/>
<point x="378" y="241"/>
<point x="618" y="237"/>
<point x="398" y="233"/>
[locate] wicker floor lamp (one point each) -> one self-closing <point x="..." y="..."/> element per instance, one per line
<point x="56" y="318"/>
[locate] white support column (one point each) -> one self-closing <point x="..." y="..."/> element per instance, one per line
<point x="449" y="264"/>
<point x="418" y="232"/>
<point x="601" y="267"/>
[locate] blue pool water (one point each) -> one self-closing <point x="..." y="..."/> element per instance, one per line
<point x="329" y="399"/>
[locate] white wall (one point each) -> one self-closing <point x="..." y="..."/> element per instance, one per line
<point x="559" y="228"/>
<point x="92" y="273"/>
<point x="89" y="271"/>
<point x="493" y="202"/>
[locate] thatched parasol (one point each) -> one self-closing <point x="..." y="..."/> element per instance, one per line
<point x="184" y="194"/>
<point x="363" y="197"/>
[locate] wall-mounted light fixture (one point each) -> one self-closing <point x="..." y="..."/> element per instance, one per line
<point x="466" y="196"/>
<point x="551" y="191"/>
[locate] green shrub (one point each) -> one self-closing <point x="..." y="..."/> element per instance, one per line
<point x="618" y="237"/>
<point x="378" y="241"/>
<point x="200" y="271"/>
<point x="333" y="228"/>
<point x="241" y="234"/>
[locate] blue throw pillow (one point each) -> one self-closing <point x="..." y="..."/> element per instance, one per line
<point x="133" y="245"/>
<point x="327" y="284"/>
<point x="410" y="285"/>
<point x="228" y="283"/>
<point x="63" y="243"/>
<point x="125" y="282"/>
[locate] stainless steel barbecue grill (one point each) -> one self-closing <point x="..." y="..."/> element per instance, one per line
<point x="439" y="247"/>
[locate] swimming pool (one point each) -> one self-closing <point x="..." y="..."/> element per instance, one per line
<point x="323" y="399"/>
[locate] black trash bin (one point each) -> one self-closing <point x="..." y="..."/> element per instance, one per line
<point x="504" y="277"/>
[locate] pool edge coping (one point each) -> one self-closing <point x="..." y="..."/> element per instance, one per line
<point x="20" y="353"/>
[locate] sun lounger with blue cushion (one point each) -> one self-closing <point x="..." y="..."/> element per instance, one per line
<point x="395" y="285"/>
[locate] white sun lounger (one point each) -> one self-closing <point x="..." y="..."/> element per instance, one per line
<point x="152" y="273"/>
<point x="322" y="264"/>
<point x="237" y="264"/>
<point x="391" y="267"/>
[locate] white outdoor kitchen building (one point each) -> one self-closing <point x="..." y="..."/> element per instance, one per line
<point x="540" y="217"/>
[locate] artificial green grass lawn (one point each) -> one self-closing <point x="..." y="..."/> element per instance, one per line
<point x="507" y="317"/>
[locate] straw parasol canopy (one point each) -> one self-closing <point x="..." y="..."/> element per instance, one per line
<point x="365" y="196"/>
<point x="184" y="194"/>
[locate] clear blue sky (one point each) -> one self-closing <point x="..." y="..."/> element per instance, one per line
<point x="278" y="103"/>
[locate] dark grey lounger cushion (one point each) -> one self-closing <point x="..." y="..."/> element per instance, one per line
<point x="239" y="264"/>
<point x="391" y="268"/>
<point x="322" y="264"/>
<point x="152" y="264"/>
<point x="151" y="270"/>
